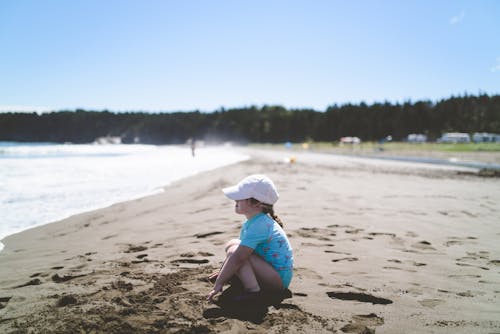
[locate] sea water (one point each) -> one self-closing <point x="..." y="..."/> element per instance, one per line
<point x="42" y="183"/>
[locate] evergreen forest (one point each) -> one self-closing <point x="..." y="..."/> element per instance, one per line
<point x="266" y="124"/>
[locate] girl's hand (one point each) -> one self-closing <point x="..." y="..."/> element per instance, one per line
<point x="213" y="276"/>
<point x="217" y="289"/>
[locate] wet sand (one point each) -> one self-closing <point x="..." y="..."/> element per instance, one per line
<point x="379" y="246"/>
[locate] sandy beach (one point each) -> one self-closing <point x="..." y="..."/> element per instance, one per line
<point x="379" y="246"/>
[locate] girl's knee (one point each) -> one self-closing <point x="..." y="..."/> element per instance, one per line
<point x="230" y="245"/>
<point x="231" y="249"/>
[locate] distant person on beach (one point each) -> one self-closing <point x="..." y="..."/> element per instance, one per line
<point x="262" y="257"/>
<point x="193" y="146"/>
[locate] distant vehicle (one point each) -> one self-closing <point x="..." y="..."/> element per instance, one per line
<point x="483" y="137"/>
<point x="107" y="140"/>
<point x="416" y="138"/>
<point x="454" y="137"/>
<point x="350" y="140"/>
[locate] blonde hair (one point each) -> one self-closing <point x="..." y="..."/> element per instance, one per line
<point x="269" y="210"/>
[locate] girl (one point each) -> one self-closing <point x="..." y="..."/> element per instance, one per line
<point x="262" y="257"/>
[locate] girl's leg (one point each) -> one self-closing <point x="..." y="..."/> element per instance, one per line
<point x="256" y="274"/>
<point x="231" y="243"/>
<point x="267" y="276"/>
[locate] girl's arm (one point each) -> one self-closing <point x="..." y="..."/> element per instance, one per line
<point x="230" y="267"/>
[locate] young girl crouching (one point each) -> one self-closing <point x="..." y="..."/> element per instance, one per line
<point x="262" y="257"/>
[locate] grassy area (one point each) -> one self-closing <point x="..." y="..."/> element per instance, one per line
<point x="389" y="147"/>
<point x="470" y="147"/>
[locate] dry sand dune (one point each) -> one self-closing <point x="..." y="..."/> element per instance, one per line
<point x="386" y="247"/>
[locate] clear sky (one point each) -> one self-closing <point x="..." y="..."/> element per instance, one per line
<point x="186" y="55"/>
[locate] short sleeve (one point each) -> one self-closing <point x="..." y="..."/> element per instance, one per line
<point x="254" y="235"/>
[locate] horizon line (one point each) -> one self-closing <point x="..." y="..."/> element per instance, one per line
<point x="43" y="109"/>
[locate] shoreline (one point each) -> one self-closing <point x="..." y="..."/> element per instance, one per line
<point x="379" y="151"/>
<point x="101" y="198"/>
<point x="424" y="239"/>
<point x="87" y="210"/>
<point x="420" y="163"/>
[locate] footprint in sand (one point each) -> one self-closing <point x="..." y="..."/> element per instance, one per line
<point x="461" y="264"/>
<point x="403" y="269"/>
<point x="413" y="263"/>
<point x="189" y="258"/>
<point x="465" y="276"/>
<point x="302" y="272"/>
<point x="142" y="258"/>
<point x="423" y="245"/>
<point x="354" y="231"/>
<point x="77" y="268"/>
<point x="66" y="300"/>
<point x="340" y="226"/>
<point x="452" y="241"/>
<point x="346" y="285"/>
<point x="193" y="261"/>
<point x="204" y="235"/>
<point x="375" y="234"/>
<point x="360" y="323"/>
<point x="300" y="294"/>
<point x="467" y="258"/>
<point x="316" y="233"/>
<point x="122" y="286"/>
<point x="350" y="273"/>
<point x="59" y="279"/>
<point x="135" y="249"/>
<point x="369" y="319"/>
<point x="411" y="234"/>
<point x="431" y="303"/>
<point x="418" y="264"/>
<point x="394" y="260"/>
<point x="192" y="254"/>
<point x="4" y="301"/>
<point x="350" y="259"/>
<point x="360" y="297"/>
<point x="310" y="244"/>
<point x="467" y="293"/>
<point x="201" y="210"/>
<point x="35" y="281"/>
<point x="335" y="252"/>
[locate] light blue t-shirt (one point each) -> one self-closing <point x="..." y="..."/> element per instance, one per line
<point x="267" y="239"/>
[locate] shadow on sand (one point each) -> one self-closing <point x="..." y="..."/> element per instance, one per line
<point x="253" y="311"/>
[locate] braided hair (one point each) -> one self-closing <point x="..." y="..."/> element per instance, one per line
<point x="269" y="210"/>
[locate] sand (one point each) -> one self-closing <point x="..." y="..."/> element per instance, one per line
<point x="381" y="247"/>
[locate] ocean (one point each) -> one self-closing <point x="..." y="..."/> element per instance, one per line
<point x="44" y="182"/>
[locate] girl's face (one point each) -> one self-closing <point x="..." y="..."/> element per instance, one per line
<point x="247" y="208"/>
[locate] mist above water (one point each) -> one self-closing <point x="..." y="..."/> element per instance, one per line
<point x="42" y="183"/>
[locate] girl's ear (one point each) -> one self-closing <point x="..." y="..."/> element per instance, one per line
<point x="255" y="204"/>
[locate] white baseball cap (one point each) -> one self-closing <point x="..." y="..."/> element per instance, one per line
<point x="256" y="186"/>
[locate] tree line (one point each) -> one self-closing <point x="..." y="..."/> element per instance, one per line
<point x="266" y="124"/>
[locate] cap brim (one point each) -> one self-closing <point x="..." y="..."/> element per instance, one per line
<point x="234" y="193"/>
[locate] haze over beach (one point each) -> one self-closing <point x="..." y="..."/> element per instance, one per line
<point x="46" y="182"/>
<point x="122" y="121"/>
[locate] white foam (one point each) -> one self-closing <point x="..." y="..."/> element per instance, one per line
<point x="44" y="183"/>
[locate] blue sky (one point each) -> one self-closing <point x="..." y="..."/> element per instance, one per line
<point x="202" y="55"/>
